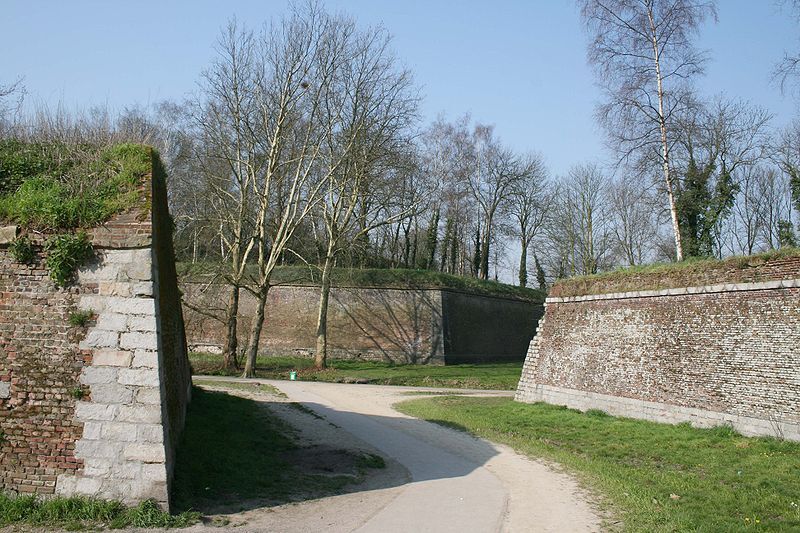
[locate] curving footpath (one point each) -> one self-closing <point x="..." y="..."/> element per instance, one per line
<point x="457" y="482"/>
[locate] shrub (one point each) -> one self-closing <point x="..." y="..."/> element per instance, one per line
<point x="22" y="250"/>
<point x="80" y="318"/>
<point x="65" y="253"/>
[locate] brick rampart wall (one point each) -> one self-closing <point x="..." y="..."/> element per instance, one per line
<point x="96" y="409"/>
<point x="381" y="324"/>
<point x="719" y="354"/>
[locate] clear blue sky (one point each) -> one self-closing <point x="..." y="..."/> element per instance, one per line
<point x="517" y="64"/>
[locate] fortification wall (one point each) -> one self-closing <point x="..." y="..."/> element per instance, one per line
<point x="95" y="409"/>
<point x="379" y="324"/>
<point x="709" y="355"/>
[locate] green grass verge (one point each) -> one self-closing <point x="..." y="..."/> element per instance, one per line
<point x="375" y="277"/>
<point x="496" y="376"/>
<point x="657" y="477"/>
<point x="235" y="455"/>
<point x="691" y="272"/>
<point x="87" y="513"/>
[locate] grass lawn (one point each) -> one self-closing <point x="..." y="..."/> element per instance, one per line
<point x="656" y="477"/>
<point x="500" y="376"/>
<point x="80" y="513"/>
<point x="236" y="455"/>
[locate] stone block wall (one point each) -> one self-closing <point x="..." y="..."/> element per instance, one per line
<point x="710" y="355"/>
<point x="378" y="324"/>
<point x="95" y="410"/>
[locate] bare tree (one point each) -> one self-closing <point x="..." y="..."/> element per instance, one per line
<point x="230" y="160"/>
<point x="634" y="221"/>
<point x="643" y="54"/>
<point x="787" y="71"/>
<point x="492" y="178"/>
<point x="528" y="207"/>
<point x="578" y="230"/>
<point x="377" y="104"/>
<point x="11" y="97"/>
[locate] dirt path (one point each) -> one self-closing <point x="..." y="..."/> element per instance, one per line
<point x="437" y="479"/>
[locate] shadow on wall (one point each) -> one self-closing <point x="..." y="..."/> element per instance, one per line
<point x="236" y="455"/>
<point x="402" y="330"/>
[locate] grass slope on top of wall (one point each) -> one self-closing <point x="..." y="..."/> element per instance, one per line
<point x="388" y="278"/>
<point x="785" y="263"/>
<point x="53" y="187"/>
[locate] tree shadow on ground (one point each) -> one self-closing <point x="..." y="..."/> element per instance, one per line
<point x="237" y="455"/>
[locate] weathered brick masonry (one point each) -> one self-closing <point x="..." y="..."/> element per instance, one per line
<point x="715" y="354"/>
<point x="95" y="410"/>
<point x="414" y="325"/>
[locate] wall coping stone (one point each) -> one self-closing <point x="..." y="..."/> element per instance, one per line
<point x="8" y="234"/>
<point x="681" y="291"/>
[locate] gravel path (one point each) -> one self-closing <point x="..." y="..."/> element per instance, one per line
<point x="437" y="479"/>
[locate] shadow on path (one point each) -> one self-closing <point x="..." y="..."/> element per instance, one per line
<point x="237" y="455"/>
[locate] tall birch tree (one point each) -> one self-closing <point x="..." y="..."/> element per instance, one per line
<point x="644" y="57"/>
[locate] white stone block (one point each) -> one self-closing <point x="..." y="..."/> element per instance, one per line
<point x="154" y="472"/>
<point x="126" y="470"/>
<point x="140" y="414"/>
<point x="146" y="453"/>
<point x="89" y="486"/>
<point x="92" y="302"/>
<point x="115" y="288"/>
<point x="65" y="484"/>
<point x="118" y="358"/>
<point x="142" y="271"/>
<point x="142" y="323"/>
<point x="146" y="359"/>
<point x="149" y="396"/>
<point x="139" y="340"/>
<point x="150" y="433"/>
<point x="144" y="377"/>
<point x="93" y="375"/>
<point x="92" y="430"/>
<point x="5" y="389"/>
<point x="120" y="431"/>
<point x="96" y="467"/>
<point x="112" y="393"/>
<point x="99" y="338"/>
<point x="131" y="306"/>
<point x="142" y="288"/>
<point x="95" y="411"/>
<point x="104" y="270"/>
<point x="101" y="449"/>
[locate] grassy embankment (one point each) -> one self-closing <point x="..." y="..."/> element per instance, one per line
<point x="388" y="278"/>
<point x="694" y="271"/>
<point x="654" y="477"/>
<point x="499" y="376"/>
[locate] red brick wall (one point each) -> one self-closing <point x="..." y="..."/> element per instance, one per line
<point x="40" y="359"/>
<point x="735" y="352"/>
<point x="371" y="324"/>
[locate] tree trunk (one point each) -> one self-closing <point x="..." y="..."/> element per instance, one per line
<point x="484" y="274"/>
<point x="523" y="264"/>
<point x="255" y="335"/>
<point x="673" y="209"/>
<point x="229" y="361"/>
<point x="321" y="355"/>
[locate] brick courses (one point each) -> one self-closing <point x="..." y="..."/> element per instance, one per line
<point x="95" y="410"/>
<point x="726" y="353"/>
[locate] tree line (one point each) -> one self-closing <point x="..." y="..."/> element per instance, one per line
<point x="303" y="144"/>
